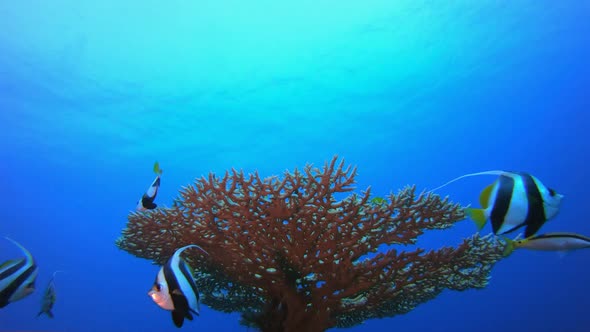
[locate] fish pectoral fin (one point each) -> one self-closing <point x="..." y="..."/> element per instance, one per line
<point x="484" y="196"/>
<point x="177" y="291"/>
<point x="478" y="216"/>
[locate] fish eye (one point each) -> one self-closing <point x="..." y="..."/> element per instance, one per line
<point x="552" y="192"/>
<point x="158" y="287"/>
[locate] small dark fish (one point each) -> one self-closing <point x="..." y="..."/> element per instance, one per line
<point x="49" y="297"/>
<point x="147" y="200"/>
<point x="515" y="200"/>
<point x="175" y="289"/>
<point x="549" y="242"/>
<point x="17" y="277"/>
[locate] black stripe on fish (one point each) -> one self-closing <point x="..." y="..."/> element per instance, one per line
<point x="148" y="202"/>
<point x="181" y="307"/>
<point x="535" y="217"/>
<point x="6" y="293"/>
<point x="563" y="235"/>
<point x="513" y="228"/>
<point x="191" y="281"/>
<point x="502" y="201"/>
<point x="8" y="272"/>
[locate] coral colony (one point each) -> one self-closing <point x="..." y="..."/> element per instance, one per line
<point x="299" y="253"/>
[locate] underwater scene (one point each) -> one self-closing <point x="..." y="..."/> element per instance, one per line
<point x="285" y="166"/>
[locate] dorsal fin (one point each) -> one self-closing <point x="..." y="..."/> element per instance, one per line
<point x="53" y="275"/>
<point x="484" y="197"/>
<point x="180" y="250"/>
<point x="24" y="250"/>
<point x="495" y="172"/>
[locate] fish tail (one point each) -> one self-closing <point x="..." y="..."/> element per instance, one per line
<point x="478" y="216"/>
<point x="157" y="168"/>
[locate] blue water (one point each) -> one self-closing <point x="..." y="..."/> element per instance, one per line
<point x="412" y="92"/>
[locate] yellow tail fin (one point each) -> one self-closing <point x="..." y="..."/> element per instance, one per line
<point x="478" y="216"/>
<point x="157" y="168"/>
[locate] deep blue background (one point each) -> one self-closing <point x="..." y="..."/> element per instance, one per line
<point x="412" y="92"/>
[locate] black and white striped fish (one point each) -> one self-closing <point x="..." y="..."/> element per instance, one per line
<point x="515" y="200"/>
<point x="17" y="277"/>
<point x="175" y="288"/>
<point x="558" y="241"/>
<point x="147" y="200"/>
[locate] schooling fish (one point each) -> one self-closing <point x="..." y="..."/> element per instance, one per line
<point x="514" y="200"/>
<point x="549" y="242"/>
<point x="17" y="277"/>
<point x="147" y="200"/>
<point x="49" y="297"/>
<point x="175" y="288"/>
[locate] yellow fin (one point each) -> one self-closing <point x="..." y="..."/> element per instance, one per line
<point x="157" y="168"/>
<point x="509" y="248"/>
<point x="478" y="216"/>
<point x="484" y="197"/>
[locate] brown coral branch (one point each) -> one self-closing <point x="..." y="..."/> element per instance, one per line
<point x="291" y="253"/>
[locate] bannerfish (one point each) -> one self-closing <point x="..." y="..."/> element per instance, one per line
<point x="49" y="297"/>
<point x="17" y="277"/>
<point x="175" y="289"/>
<point x="147" y="200"/>
<point x="514" y="200"/>
<point x="558" y="241"/>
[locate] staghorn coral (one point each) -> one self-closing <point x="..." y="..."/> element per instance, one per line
<point x="300" y="253"/>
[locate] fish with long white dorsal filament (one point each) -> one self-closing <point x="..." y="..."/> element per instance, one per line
<point x="175" y="290"/>
<point x="514" y="200"/>
<point x="17" y="277"/>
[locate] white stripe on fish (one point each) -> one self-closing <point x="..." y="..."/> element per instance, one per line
<point x="17" y="277"/>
